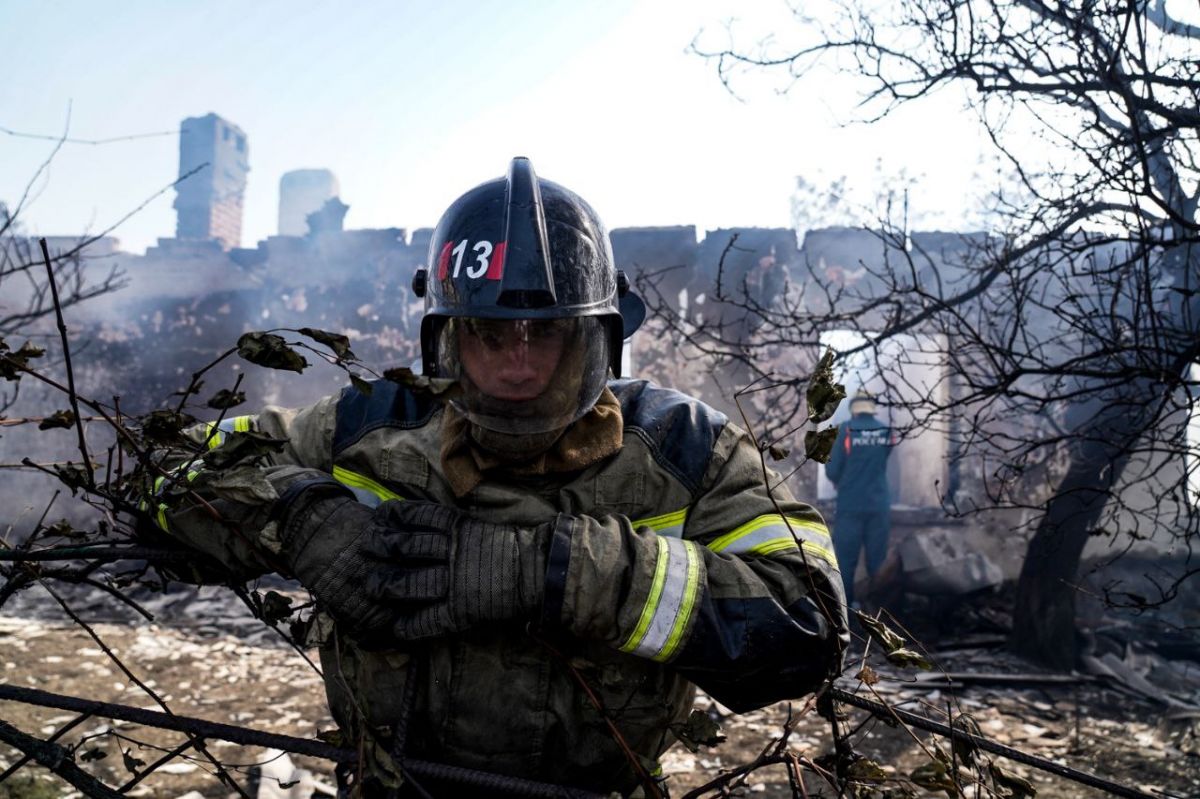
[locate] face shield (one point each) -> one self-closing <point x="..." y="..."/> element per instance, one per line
<point x="524" y="376"/>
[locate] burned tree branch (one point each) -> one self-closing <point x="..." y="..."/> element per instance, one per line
<point x="58" y="760"/>
<point x="222" y="773"/>
<point x="200" y="728"/>
<point x="72" y="396"/>
<point x="99" y="552"/>
<point x="59" y="733"/>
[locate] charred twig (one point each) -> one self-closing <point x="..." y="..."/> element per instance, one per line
<point x="120" y="429"/>
<point x="296" y="646"/>
<point x="119" y="596"/>
<point x="221" y="772"/>
<point x="66" y="345"/>
<point x="58" y="760"/>
<point x="723" y="781"/>
<point x="833" y="615"/>
<point x="200" y="729"/>
<point x="60" y="732"/>
<point x="166" y="758"/>
<point x="13" y="584"/>
<point x="647" y="781"/>
<point x="84" y="243"/>
<point x="39" y="419"/>
<point x="775" y="752"/>
<point x="987" y="745"/>
<point x="98" y="552"/>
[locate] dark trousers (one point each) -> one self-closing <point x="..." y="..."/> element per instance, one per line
<point x="854" y="531"/>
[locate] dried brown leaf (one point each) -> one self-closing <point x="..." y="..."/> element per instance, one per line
<point x="166" y="427"/>
<point x="699" y="730"/>
<point x="57" y="419"/>
<point x="885" y="636"/>
<point x="335" y="341"/>
<point x="867" y="770"/>
<point x="421" y="383"/>
<point x="818" y="444"/>
<point x="824" y="394"/>
<point x="1017" y="787"/>
<point x="934" y="776"/>
<point x="11" y="363"/>
<point x="909" y="658"/>
<point x="270" y="350"/>
<point x="226" y="399"/>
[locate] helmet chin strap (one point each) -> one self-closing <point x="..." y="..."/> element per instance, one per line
<point x="514" y="447"/>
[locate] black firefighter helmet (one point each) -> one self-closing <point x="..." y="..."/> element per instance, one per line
<point x="523" y="248"/>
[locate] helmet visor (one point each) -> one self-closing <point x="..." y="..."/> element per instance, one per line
<point x="525" y="375"/>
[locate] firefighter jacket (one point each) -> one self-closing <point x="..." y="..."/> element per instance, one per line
<point x="858" y="465"/>
<point x="677" y="567"/>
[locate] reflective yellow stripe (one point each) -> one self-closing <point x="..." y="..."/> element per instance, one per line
<point x="216" y="436"/>
<point x="815" y="527"/>
<point x="216" y="432"/>
<point x="160" y="517"/>
<point x="672" y="519"/>
<point x="822" y="553"/>
<point x="673" y="593"/>
<point x="774" y="545"/>
<point x="729" y="541"/>
<point x="771" y="546"/>
<point x="356" y="480"/>
<point x="656" y="587"/>
<point x="770" y="534"/>
<point x="691" y="591"/>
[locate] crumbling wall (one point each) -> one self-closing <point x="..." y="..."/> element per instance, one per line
<point x="188" y="301"/>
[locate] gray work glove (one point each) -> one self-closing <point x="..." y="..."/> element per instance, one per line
<point x="324" y="533"/>
<point x="452" y="572"/>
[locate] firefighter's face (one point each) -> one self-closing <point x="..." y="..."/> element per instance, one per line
<point x="512" y="359"/>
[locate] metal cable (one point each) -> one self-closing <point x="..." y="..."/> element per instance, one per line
<point x="95" y="553"/>
<point x="438" y="772"/>
<point x="888" y="713"/>
<point x="513" y="785"/>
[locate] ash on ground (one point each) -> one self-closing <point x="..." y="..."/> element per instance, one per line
<point x="1134" y="720"/>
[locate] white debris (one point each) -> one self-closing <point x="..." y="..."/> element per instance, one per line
<point x="181" y="767"/>
<point x="279" y="770"/>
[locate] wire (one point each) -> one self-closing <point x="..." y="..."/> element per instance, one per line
<point x="929" y="725"/>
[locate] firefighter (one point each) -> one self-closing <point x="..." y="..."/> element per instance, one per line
<point x="481" y="544"/>
<point x="858" y="467"/>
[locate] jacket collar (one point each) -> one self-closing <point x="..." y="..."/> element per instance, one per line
<point x="591" y="439"/>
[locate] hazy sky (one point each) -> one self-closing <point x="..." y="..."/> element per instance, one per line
<point x="411" y="103"/>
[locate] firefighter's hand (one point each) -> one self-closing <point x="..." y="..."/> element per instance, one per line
<point x="325" y="534"/>
<point x="452" y="572"/>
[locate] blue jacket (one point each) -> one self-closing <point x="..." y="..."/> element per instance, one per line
<point x="858" y="465"/>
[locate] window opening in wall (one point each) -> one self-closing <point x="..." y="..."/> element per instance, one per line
<point x="900" y="372"/>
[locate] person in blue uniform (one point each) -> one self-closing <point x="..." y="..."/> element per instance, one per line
<point x="858" y="467"/>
